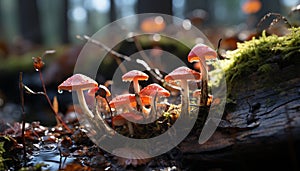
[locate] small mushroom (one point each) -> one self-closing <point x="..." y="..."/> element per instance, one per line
<point x="183" y="74"/>
<point x="154" y="90"/>
<point x="101" y="92"/>
<point x="79" y="83"/>
<point x="135" y="76"/>
<point x="200" y="53"/>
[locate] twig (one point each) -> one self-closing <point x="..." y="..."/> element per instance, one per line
<point x="141" y="51"/>
<point x="85" y="37"/>
<point x="127" y="58"/>
<point x="50" y="104"/>
<point x="23" y="114"/>
<point x="221" y="57"/>
<point x="38" y="65"/>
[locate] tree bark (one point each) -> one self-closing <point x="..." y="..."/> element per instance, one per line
<point x="260" y="131"/>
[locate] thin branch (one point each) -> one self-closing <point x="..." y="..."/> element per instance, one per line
<point x="141" y="51"/>
<point x="51" y="106"/>
<point x="23" y="114"/>
<point x="127" y="58"/>
<point x="29" y="91"/>
<point x="89" y="39"/>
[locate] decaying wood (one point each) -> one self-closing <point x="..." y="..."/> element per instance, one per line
<point x="262" y="129"/>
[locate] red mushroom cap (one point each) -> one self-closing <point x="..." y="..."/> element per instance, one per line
<point x="201" y="50"/>
<point x="135" y="74"/>
<point x="128" y="99"/>
<point x="123" y="100"/>
<point x="183" y="73"/>
<point x="77" y="82"/>
<point x="154" y="88"/>
<point x="146" y="100"/>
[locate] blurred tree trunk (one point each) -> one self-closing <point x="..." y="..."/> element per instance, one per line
<point x="155" y="6"/>
<point x="65" y="24"/>
<point x="29" y="21"/>
<point x="112" y="11"/>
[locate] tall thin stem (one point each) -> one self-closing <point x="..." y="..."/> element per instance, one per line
<point x="185" y="97"/>
<point x="23" y="114"/>
<point x="107" y="102"/>
<point x="204" y="82"/>
<point x="51" y="106"/>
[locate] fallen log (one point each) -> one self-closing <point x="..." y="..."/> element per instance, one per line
<point x="261" y="130"/>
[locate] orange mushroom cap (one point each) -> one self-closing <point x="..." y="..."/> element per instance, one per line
<point x="154" y="88"/>
<point x="183" y="73"/>
<point x="123" y="100"/>
<point x="146" y="100"/>
<point x="128" y="99"/>
<point x="201" y="50"/>
<point x="77" y="82"/>
<point x="135" y="74"/>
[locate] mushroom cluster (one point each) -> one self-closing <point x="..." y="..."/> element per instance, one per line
<point x="142" y="104"/>
<point x="122" y="107"/>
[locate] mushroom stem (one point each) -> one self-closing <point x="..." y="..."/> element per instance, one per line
<point x="185" y="97"/>
<point x="130" y="128"/>
<point x="204" y="82"/>
<point x="153" y="106"/>
<point x="107" y="102"/>
<point x="136" y="86"/>
<point x="87" y="111"/>
<point x="83" y="104"/>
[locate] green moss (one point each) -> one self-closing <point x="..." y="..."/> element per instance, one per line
<point x="256" y="56"/>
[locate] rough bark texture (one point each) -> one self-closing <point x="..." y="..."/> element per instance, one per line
<point x="260" y="131"/>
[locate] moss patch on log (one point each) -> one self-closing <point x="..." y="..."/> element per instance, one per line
<point x="268" y="59"/>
